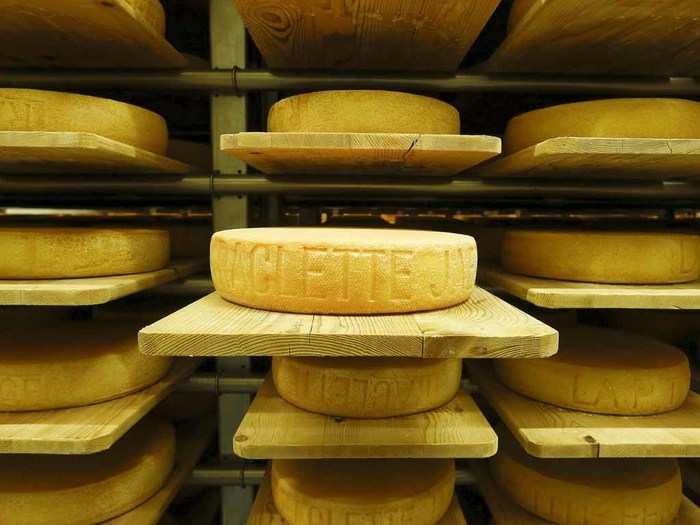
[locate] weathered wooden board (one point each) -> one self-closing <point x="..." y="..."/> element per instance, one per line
<point x="389" y="154"/>
<point x="484" y="326"/>
<point x="546" y="431"/>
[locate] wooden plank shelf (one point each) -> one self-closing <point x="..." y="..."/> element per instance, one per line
<point x="691" y="476"/>
<point x="92" y="290"/>
<point x="275" y="429"/>
<point x="81" y="34"/>
<point x="551" y="293"/>
<point x="547" y="431"/>
<point x="484" y="326"/>
<point x="51" y="152"/>
<point x="87" y="429"/>
<point x="373" y="154"/>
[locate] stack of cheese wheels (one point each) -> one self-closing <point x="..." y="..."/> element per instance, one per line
<point x="149" y="13"/>
<point x="614" y="257"/>
<point x="58" y="253"/>
<point x="84" y="490"/>
<point x="361" y="491"/>
<point x="603" y="371"/>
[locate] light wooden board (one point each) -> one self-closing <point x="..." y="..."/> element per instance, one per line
<point x="484" y="326"/>
<point x="546" y="431"/>
<point x="275" y="429"/>
<point x="691" y="476"/>
<point x="88" y="429"/>
<point x="551" y="293"/>
<point x="360" y="153"/>
<point x="39" y="152"/>
<point x="80" y="34"/>
<point x="643" y="37"/>
<point x="92" y="290"/>
<point x="191" y="442"/>
<point x="601" y="158"/>
<point x="264" y="512"/>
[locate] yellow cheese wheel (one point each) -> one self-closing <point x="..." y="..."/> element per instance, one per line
<point x="34" y="110"/>
<point x="677" y="327"/>
<point x="611" y="118"/>
<point x="602" y="256"/>
<point x="603" y="371"/>
<point x="519" y="10"/>
<point x="366" y="387"/>
<point x="151" y="13"/>
<point x="343" y="271"/>
<point x="590" y="491"/>
<point x="87" y="489"/>
<point x="58" y="253"/>
<point x="363" y="112"/>
<point x="72" y="363"/>
<point x="362" y="491"/>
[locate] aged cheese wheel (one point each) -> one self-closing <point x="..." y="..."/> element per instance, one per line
<point x="151" y="13"/>
<point x="366" y="387"/>
<point x="611" y="118"/>
<point x="34" y="110"/>
<point x="519" y="10"/>
<point x="58" y="253"/>
<point x="602" y="257"/>
<point x="677" y="327"/>
<point x="603" y="371"/>
<point x="590" y="491"/>
<point x="87" y="489"/>
<point x="363" y="112"/>
<point x="72" y="363"/>
<point x="362" y="491"/>
<point x="343" y="271"/>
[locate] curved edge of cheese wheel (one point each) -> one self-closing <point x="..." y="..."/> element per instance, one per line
<point x="366" y="387"/>
<point x="54" y="111"/>
<point x="363" y="111"/>
<point x="151" y="13"/>
<point x="602" y="256"/>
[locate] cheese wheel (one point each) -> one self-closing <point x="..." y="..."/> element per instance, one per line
<point x="343" y="271"/>
<point x="363" y="112"/>
<point x="676" y="327"/>
<point x="150" y="13"/>
<point x="519" y="10"/>
<point x="72" y="363"/>
<point x="602" y="256"/>
<point x="87" y="489"/>
<point x="590" y="491"/>
<point x="610" y="118"/>
<point x="362" y="491"/>
<point x="603" y="371"/>
<point x="34" y="110"/>
<point x="58" y="253"/>
<point x="366" y="387"/>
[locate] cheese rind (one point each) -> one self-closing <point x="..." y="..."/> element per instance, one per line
<point x="366" y="387"/>
<point x="151" y="13"/>
<point x="58" y="253"/>
<point x="343" y="271"/>
<point x="602" y="256"/>
<point x="362" y="491"/>
<point x="363" y="111"/>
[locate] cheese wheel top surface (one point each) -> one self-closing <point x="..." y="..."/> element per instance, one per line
<point x="56" y="253"/>
<point x="663" y="118"/>
<point x="602" y="256"/>
<point x="36" y="110"/>
<point x="366" y="387"/>
<point x="343" y="270"/>
<point x="363" y="111"/>
<point x="151" y="13"/>
<point x="603" y="371"/>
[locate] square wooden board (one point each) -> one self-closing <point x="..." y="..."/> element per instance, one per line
<point x="373" y="154"/>
<point x="484" y="326"/>
<point x="275" y="429"/>
<point x="547" y="431"/>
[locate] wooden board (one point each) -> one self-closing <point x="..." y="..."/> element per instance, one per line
<point x="578" y="37"/>
<point x="275" y="429"/>
<point x="360" y="153"/>
<point x="88" y="429"/>
<point x="551" y="293"/>
<point x="80" y="34"/>
<point x="191" y="442"/>
<point x="600" y="158"/>
<point x="92" y="290"/>
<point x="546" y="431"/>
<point x="484" y="326"/>
<point x="39" y="152"/>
